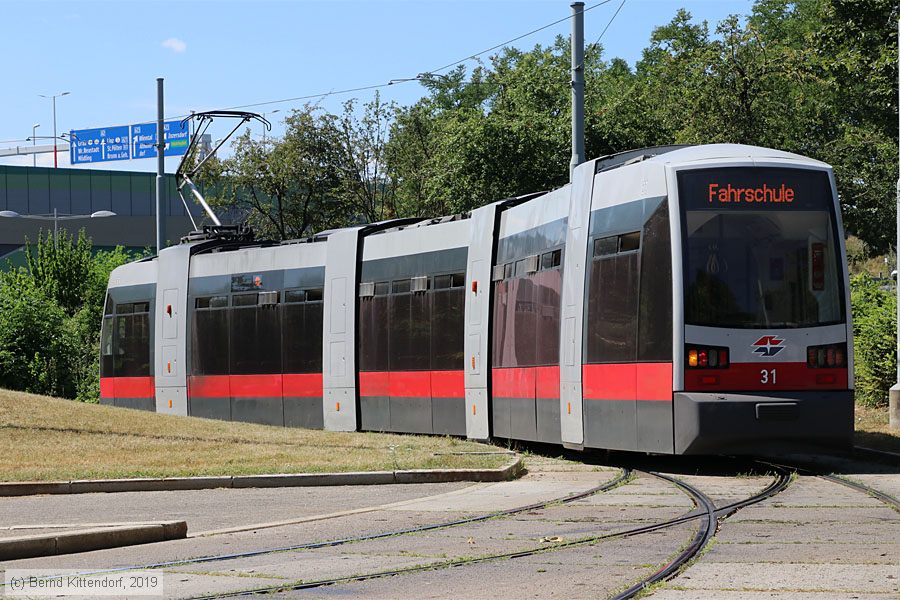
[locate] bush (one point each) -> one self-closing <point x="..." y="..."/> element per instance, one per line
<point x="50" y="315"/>
<point x="875" y="339"/>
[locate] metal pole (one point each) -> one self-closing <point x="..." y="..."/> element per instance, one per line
<point x="577" y="52"/>
<point x="894" y="394"/>
<point x="54" y="132"/>
<point x="33" y="143"/>
<point x="160" y="169"/>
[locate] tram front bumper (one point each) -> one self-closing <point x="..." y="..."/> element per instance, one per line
<point x="747" y="423"/>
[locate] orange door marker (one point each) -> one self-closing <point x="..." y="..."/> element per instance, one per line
<point x="337" y="406"/>
<point x="170" y="404"/>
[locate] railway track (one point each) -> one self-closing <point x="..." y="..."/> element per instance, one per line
<point x="623" y="477"/>
<point x="706" y="511"/>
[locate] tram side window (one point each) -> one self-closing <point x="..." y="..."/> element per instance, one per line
<point x="526" y="312"/>
<point x="613" y="308"/>
<point x="255" y="329"/>
<point x="410" y="329"/>
<point x="655" y="312"/>
<point x="125" y="340"/>
<point x="374" y="329"/>
<point x="447" y="316"/>
<point x="302" y="331"/>
<point x="209" y="336"/>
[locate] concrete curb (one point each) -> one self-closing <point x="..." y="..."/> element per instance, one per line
<point x="86" y="540"/>
<point x="28" y="488"/>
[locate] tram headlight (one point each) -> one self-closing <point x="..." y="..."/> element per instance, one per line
<point x="707" y="357"/>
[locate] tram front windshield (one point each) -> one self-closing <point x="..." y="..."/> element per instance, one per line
<point x="760" y="248"/>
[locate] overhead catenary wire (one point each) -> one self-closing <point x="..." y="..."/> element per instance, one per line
<point x="423" y="74"/>
<point x="396" y="81"/>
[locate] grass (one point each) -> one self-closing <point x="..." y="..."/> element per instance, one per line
<point x="872" y="430"/>
<point x="45" y="439"/>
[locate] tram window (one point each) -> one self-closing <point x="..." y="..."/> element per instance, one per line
<point x="302" y="337"/>
<point x="141" y="307"/>
<point x="612" y="309"/>
<point x="110" y="306"/>
<point x="442" y="282"/>
<point x="106" y="347"/>
<point x="382" y="288"/>
<point x="209" y="341"/>
<point x="245" y="299"/>
<point x="458" y="280"/>
<point x="400" y="286"/>
<point x="124" y="309"/>
<point x="655" y="312"/>
<point x="294" y="296"/>
<point x="447" y="309"/>
<point x="314" y="295"/>
<point x="410" y="332"/>
<point x="374" y="330"/>
<point x="255" y="331"/>
<point x="521" y="267"/>
<point x="508" y="271"/>
<point x="606" y="246"/>
<point x="629" y="242"/>
<point x="551" y="260"/>
<point x="133" y="345"/>
<point x="211" y="302"/>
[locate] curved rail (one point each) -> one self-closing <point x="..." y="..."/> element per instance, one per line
<point x="708" y="529"/>
<point x="704" y="533"/>
<point x="867" y="489"/>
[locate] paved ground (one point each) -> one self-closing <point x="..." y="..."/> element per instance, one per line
<point x="816" y="540"/>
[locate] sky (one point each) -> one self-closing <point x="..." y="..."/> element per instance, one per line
<point x="216" y="54"/>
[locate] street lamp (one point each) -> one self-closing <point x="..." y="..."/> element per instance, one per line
<point x="54" y="97"/>
<point x="33" y="142"/>
<point x="272" y="112"/>
<point x="64" y="137"/>
<point x="56" y="217"/>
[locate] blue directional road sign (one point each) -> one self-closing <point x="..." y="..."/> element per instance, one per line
<point x="143" y="139"/>
<point x="99" y="145"/>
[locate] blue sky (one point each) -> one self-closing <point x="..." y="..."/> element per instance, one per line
<point x="219" y="54"/>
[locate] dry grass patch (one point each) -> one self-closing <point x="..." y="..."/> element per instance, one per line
<point x="44" y="439"/>
<point x="873" y="431"/>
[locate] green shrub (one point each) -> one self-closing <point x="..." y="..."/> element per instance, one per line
<point x="50" y="315"/>
<point x="875" y="339"/>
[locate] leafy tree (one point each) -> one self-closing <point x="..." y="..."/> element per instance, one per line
<point x="367" y="191"/>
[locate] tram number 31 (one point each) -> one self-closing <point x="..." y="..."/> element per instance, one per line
<point x="767" y="377"/>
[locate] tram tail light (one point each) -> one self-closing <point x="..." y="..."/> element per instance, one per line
<point x="707" y="357"/>
<point x="829" y="356"/>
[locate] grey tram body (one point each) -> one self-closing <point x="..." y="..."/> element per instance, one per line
<point x="470" y="258"/>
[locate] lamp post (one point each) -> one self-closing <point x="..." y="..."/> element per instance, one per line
<point x="56" y="218"/>
<point x="33" y="142"/>
<point x="54" y="97"/>
<point x="64" y="137"/>
<point x="277" y="110"/>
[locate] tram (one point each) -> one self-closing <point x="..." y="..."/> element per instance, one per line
<point x="672" y="300"/>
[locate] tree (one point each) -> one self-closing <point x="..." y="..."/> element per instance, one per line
<point x="285" y="188"/>
<point x="366" y="186"/>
